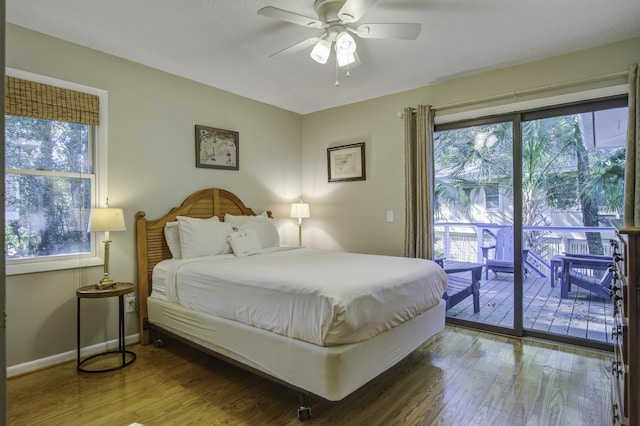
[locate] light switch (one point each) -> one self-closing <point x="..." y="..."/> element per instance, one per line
<point x="389" y="215"/>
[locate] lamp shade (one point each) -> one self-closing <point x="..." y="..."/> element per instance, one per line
<point x="105" y="220"/>
<point x="345" y="44"/>
<point x="300" y="210"/>
<point x="320" y="52"/>
<point x="344" y="60"/>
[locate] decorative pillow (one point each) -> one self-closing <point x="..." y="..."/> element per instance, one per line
<point x="266" y="232"/>
<point x="203" y="237"/>
<point x="172" y="236"/>
<point x="244" y="243"/>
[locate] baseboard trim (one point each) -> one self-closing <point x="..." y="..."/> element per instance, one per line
<point x="40" y="364"/>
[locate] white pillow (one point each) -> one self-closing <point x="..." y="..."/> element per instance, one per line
<point x="203" y="237"/>
<point x="172" y="236"/>
<point x="244" y="243"/>
<point x="266" y="232"/>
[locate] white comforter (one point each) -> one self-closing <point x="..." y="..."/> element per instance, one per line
<point x="322" y="297"/>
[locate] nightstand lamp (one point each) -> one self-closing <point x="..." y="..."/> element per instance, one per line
<point x="106" y="220"/>
<point x="301" y="211"/>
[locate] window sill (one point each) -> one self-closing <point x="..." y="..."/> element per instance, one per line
<point x="53" y="265"/>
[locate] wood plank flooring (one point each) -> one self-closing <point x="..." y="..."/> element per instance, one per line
<point x="460" y="377"/>
<point x="583" y="314"/>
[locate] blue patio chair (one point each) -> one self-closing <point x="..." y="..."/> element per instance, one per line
<point x="502" y="260"/>
<point x="581" y="270"/>
<point x="502" y="250"/>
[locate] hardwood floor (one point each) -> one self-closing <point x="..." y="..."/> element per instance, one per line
<point x="460" y="377"/>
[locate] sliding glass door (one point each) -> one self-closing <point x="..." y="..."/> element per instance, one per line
<point x="573" y="161"/>
<point x="474" y="219"/>
<point x="523" y="204"/>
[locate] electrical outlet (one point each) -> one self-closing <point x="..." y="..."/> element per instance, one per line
<point x="130" y="304"/>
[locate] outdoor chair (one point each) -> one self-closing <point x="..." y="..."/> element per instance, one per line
<point x="585" y="270"/>
<point x="459" y="288"/>
<point x="499" y="257"/>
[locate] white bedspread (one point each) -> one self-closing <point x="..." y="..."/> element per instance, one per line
<point x="322" y="297"/>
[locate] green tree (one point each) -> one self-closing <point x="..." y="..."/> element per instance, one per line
<point x="45" y="189"/>
<point x="470" y="158"/>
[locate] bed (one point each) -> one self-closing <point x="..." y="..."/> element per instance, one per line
<point x="331" y="355"/>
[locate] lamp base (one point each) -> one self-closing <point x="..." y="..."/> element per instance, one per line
<point x="106" y="283"/>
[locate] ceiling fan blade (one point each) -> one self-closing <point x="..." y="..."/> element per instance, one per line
<point x="352" y="10"/>
<point x="393" y="31"/>
<point x="288" y="16"/>
<point x="298" y="47"/>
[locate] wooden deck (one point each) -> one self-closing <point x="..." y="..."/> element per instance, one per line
<point x="583" y="315"/>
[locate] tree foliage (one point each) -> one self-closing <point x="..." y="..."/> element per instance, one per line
<point x="48" y="187"/>
<point x="559" y="174"/>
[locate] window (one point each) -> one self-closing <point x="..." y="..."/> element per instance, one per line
<point x="492" y="197"/>
<point x="50" y="176"/>
<point x="48" y="187"/>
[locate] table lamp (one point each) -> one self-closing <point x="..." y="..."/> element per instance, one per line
<point x="106" y="220"/>
<point x="301" y="211"/>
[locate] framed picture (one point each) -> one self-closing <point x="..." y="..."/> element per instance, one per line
<point x="346" y="163"/>
<point x="217" y="148"/>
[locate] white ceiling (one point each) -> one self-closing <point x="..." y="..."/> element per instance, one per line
<point x="226" y="44"/>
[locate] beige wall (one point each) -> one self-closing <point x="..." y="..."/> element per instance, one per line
<point x="151" y="165"/>
<point x="152" y="168"/>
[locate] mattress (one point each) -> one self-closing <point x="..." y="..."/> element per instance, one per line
<point x="321" y="297"/>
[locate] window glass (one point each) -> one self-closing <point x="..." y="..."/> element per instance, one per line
<point x="492" y="197"/>
<point x="49" y="183"/>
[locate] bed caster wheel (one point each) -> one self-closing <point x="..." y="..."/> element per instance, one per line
<point x="158" y="343"/>
<point x="304" y="413"/>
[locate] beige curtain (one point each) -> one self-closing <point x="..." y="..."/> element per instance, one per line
<point x="419" y="182"/>
<point x="632" y="172"/>
<point x="25" y="98"/>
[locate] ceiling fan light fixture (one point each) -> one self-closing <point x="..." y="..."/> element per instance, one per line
<point x="321" y="51"/>
<point x="345" y="44"/>
<point x="344" y="60"/>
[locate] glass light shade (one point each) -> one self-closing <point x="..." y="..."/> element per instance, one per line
<point x="300" y="210"/>
<point x="105" y="220"/>
<point x="344" y="60"/>
<point x="345" y="44"/>
<point x="320" y="52"/>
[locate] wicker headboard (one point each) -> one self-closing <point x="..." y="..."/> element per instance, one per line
<point x="151" y="245"/>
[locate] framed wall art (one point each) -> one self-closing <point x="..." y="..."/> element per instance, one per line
<point x="346" y="163"/>
<point x="217" y="148"/>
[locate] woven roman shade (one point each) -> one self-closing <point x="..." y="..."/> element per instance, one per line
<point x="25" y="98"/>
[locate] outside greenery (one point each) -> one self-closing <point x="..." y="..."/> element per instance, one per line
<point x="48" y="184"/>
<point x="559" y="174"/>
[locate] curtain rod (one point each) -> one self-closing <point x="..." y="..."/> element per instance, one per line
<point x="525" y="92"/>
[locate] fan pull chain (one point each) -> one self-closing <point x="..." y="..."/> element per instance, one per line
<point x="337" y="83"/>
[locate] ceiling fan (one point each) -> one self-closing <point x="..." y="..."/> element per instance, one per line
<point x="336" y="17"/>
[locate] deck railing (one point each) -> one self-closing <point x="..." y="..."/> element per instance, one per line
<point x="464" y="241"/>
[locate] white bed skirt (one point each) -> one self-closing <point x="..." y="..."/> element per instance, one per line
<point x="330" y="372"/>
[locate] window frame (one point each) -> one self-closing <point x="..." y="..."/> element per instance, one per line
<point x="98" y="146"/>
<point x="498" y="195"/>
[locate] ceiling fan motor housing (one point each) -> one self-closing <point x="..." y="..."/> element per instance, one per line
<point x="327" y="11"/>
